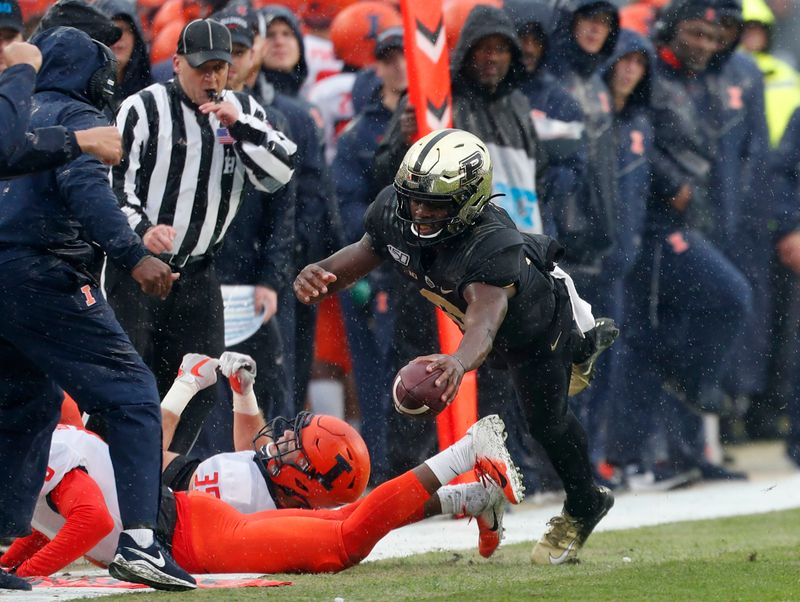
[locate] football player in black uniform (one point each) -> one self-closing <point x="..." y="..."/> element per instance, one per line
<point x="438" y="228"/>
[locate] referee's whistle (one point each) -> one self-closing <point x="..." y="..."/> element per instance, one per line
<point x="212" y="95"/>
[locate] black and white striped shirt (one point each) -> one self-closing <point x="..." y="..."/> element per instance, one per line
<point x="183" y="169"/>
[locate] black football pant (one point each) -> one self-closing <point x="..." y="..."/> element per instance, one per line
<point x="189" y="320"/>
<point x="541" y="377"/>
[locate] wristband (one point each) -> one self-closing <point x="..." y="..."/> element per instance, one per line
<point x="178" y="397"/>
<point x="245" y="404"/>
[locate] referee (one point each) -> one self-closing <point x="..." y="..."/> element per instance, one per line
<point x="191" y="149"/>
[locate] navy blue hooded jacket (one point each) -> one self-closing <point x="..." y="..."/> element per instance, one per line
<point x="351" y="171"/>
<point x="258" y="245"/>
<point x="711" y="133"/>
<point x="557" y="116"/>
<point x="22" y="152"/>
<point x="739" y="185"/>
<point x="136" y="76"/>
<point x="318" y="226"/>
<point x="634" y="134"/>
<point x="45" y="216"/>
<point x="287" y="83"/>
<point x="589" y="233"/>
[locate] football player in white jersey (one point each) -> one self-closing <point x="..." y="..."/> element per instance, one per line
<point x="77" y="513"/>
<point x="254" y="478"/>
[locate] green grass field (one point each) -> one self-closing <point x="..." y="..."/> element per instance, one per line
<point x="748" y="558"/>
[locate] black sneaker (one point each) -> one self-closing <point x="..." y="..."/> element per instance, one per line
<point x="9" y="581"/>
<point x="661" y="477"/>
<point x="152" y="566"/>
<point x="605" y="333"/>
<point x="715" y="472"/>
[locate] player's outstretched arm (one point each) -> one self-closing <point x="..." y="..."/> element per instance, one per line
<point x="197" y="372"/>
<point x="486" y="310"/>
<point x="248" y="420"/>
<point x="318" y="280"/>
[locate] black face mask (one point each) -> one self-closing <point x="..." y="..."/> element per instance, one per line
<point x="102" y="84"/>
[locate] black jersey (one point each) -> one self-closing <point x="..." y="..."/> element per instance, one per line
<point x="492" y="251"/>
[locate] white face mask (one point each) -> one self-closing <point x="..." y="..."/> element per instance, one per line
<point x="415" y="232"/>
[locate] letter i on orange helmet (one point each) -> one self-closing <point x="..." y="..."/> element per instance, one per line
<point x="314" y="461"/>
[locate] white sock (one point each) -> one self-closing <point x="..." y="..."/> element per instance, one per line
<point x="142" y="537"/>
<point x="453" y="461"/>
<point x="465" y="498"/>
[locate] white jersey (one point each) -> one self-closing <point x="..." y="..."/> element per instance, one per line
<point x="321" y="61"/>
<point x="75" y="448"/>
<point x="235" y="479"/>
<point x="333" y="96"/>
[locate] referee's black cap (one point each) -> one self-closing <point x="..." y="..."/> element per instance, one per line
<point x="204" y="40"/>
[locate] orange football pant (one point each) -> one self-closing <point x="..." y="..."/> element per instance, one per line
<point x="213" y="537"/>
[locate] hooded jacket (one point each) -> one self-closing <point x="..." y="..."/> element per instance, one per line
<point x="501" y="119"/>
<point x="351" y="169"/>
<point x="258" y="246"/>
<point x="136" y="76"/>
<point x="633" y="132"/>
<point x="743" y="134"/>
<point x="556" y="115"/>
<point x="286" y="83"/>
<point x="685" y="137"/>
<point x="78" y="14"/>
<point x="317" y="222"/>
<point x="710" y="134"/>
<point x="23" y="152"/>
<point x="44" y="215"/>
<point x="588" y="232"/>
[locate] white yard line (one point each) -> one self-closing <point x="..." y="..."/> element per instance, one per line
<point x="527" y="523"/>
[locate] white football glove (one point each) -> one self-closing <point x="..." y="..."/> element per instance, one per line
<point x="198" y="371"/>
<point x="240" y="370"/>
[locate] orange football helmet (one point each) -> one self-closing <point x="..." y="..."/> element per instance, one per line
<point x="328" y="465"/>
<point x="455" y="13"/>
<point x="318" y="14"/>
<point x="355" y="29"/>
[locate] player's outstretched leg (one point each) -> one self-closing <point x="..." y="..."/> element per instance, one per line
<point x="482" y="448"/>
<point x="566" y="534"/>
<point x="485" y="502"/>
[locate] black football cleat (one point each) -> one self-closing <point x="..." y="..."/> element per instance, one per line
<point x="605" y="332"/>
<point x="152" y="566"/>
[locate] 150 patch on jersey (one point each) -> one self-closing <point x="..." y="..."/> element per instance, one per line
<point x="398" y="255"/>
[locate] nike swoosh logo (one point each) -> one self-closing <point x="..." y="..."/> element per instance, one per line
<point x="159" y="562"/>
<point x="447" y="291"/>
<point x="563" y="556"/>
<point x="503" y="482"/>
<point x="558" y="338"/>
<point x="495" y="525"/>
<point x="196" y="368"/>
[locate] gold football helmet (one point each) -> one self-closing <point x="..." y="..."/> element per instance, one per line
<point x="449" y="168"/>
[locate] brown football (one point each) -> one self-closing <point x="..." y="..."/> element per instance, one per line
<point x="415" y="393"/>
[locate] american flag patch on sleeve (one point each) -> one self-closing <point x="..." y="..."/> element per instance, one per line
<point x="224" y="136"/>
